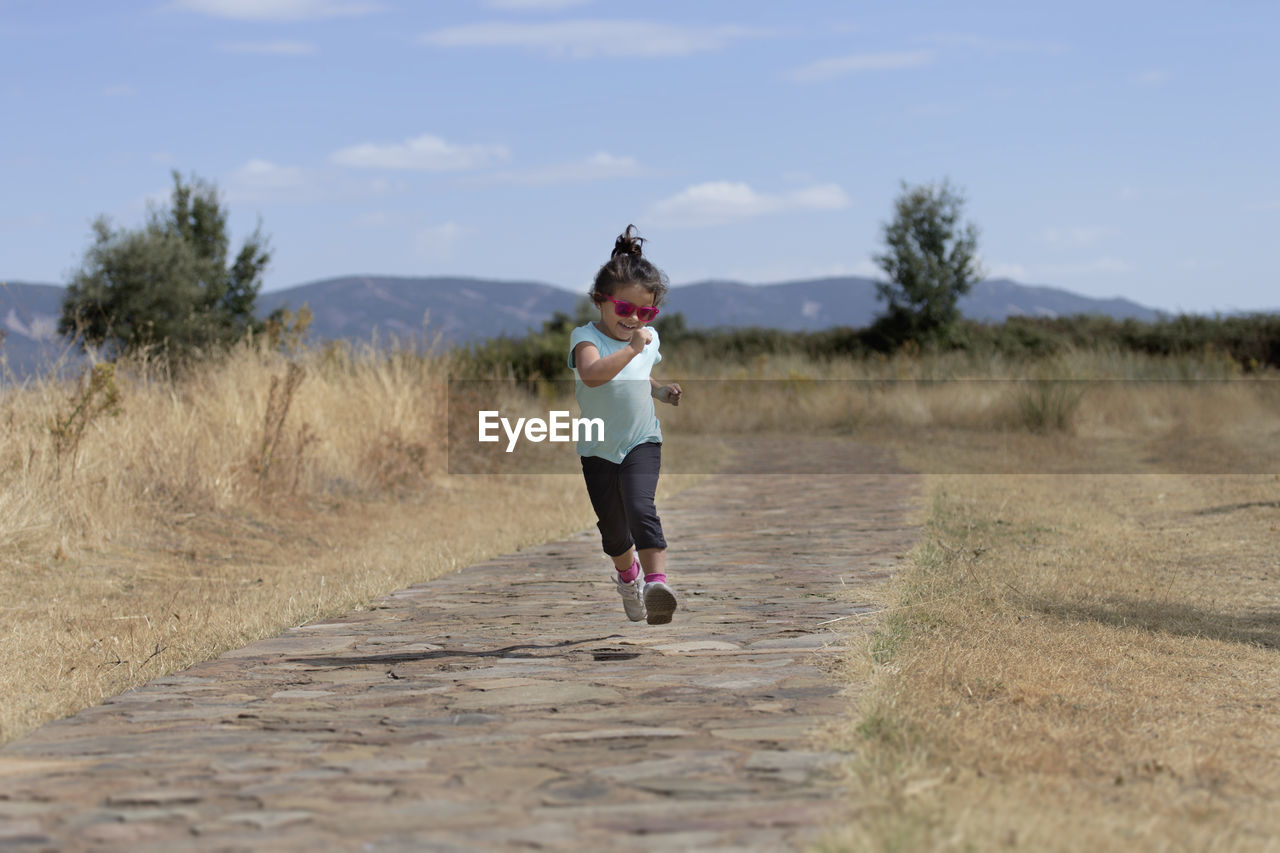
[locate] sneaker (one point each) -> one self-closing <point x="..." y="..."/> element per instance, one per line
<point x="659" y="602"/>
<point x="632" y="596"/>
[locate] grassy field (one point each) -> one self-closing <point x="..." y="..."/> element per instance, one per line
<point x="149" y="522"/>
<point x="1083" y="650"/>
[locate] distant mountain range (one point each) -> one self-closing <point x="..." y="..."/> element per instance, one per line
<point x="459" y="310"/>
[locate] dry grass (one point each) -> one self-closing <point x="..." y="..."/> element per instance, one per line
<point x="1084" y="660"/>
<point x="195" y="514"/>
<point x="1057" y="633"/>
<point x="1105" y="412"/>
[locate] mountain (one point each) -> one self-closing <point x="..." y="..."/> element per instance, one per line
<point x="454" y="309"/>
<point x="29" y="339"/>
<point x="995" y="300"/>
<point x="457" y="310"/>
<point x="822" y="303"/>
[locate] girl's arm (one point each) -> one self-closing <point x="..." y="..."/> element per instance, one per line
<point x="665" y="393"/>
<point x="595" y="370"/>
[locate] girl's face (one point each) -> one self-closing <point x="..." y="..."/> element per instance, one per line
<point x="621" y="328"/>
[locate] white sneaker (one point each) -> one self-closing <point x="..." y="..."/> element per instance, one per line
<point x="632" y="596"/>
<point x="659" y="602"/>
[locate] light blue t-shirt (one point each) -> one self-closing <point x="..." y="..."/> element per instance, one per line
<point x="624" y="403"/>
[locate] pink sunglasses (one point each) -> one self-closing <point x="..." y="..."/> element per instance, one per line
<point x="624" y="308"/>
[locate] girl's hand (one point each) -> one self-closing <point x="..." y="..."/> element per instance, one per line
<point x="669" y="394"/>
<point x="640" y="339"/>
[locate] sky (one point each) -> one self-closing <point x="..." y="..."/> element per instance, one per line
<point x="1108" y="148"/>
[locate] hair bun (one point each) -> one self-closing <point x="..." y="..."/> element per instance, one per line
<point x="628" y="244"/>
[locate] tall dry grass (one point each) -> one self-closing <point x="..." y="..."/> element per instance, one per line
<point x="1113" y="411"/>
<point x="150" y="521"/>
<point x="254" y="424"/>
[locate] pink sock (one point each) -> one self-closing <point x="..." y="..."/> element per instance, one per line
<point x="630" y="574"/>
<point x="655" y="578"/>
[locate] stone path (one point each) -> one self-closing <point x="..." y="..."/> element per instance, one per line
<point x="511" y="705"/>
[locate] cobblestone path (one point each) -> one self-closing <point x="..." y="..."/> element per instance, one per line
<point x="512" y="705"/>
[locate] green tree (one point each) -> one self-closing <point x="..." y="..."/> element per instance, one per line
<point x="167" y="285"/>
<point x="930" y="260"/>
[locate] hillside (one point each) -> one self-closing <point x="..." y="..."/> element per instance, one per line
<point x="457" y="310"/>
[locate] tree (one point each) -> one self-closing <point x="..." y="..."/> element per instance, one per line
<point x="930" y="260"/>
<point x="167" y="285"/>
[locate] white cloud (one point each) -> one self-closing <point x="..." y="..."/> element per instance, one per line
<point x="987" y="44"/>
<point x="598" y="167"/>
<point x="865" y="268"/>
<point x="1016" y="272"/>
<point x="264" y="174"/>
<point x="1097" y="266"/>
<point x="270" y="48"/>
<point x="437" y="241"/>
<point x="582" y="39"/>
<point x="534" y="5"/>
<point x="721" y="202"/>
<point x="1074" y="236"/>
<point x="426" y="153"/>
<point x="26" y="220"/>
<point x="1152" y="77"/>
<point x="279" y="10"/>
<point x="936" y="110"/>
<point x="839" y="66"/>
<point x="374" y="219"/>
<point x="758" y="271"/>
<point x="261" y="180"/>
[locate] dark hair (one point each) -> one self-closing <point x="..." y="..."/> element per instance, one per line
<point x="627" y="265"/>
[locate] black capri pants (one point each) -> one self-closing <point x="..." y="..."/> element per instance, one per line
<point x="622" y="496"/>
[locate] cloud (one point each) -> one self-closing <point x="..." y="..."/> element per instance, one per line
<point x="1015" y="272"/>
<point x="722" y="202"/>
<point x="583" y="39"/>
<point x="437" y="241"/>
<point x="374" y="219"/>
<point x="534" y="5"/>
<point x="987" y="44"/>
<point x="261" y="180"/>
<point x="825" y="69"/>
<point x="1151" y="77"/>
<point x="1074" y="236"/>
<point x="598" y="167"/>
<point x="270" y="48"/>
<point x="426" y="153"/>
<point x="1097" y="266"/>
<point x="264" y="174"/>
<point x="279" y="10"/>
<point x="26" y="220"/>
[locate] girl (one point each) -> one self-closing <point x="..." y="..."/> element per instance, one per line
<point x="611" y="360"/>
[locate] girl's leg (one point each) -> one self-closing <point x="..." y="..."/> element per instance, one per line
<point x="654" y="562"/>
<point x="603" y="487"/>
<point x="639" y="478"/>
<point x="606" y="499"/>
<point x="638" y="483"/>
